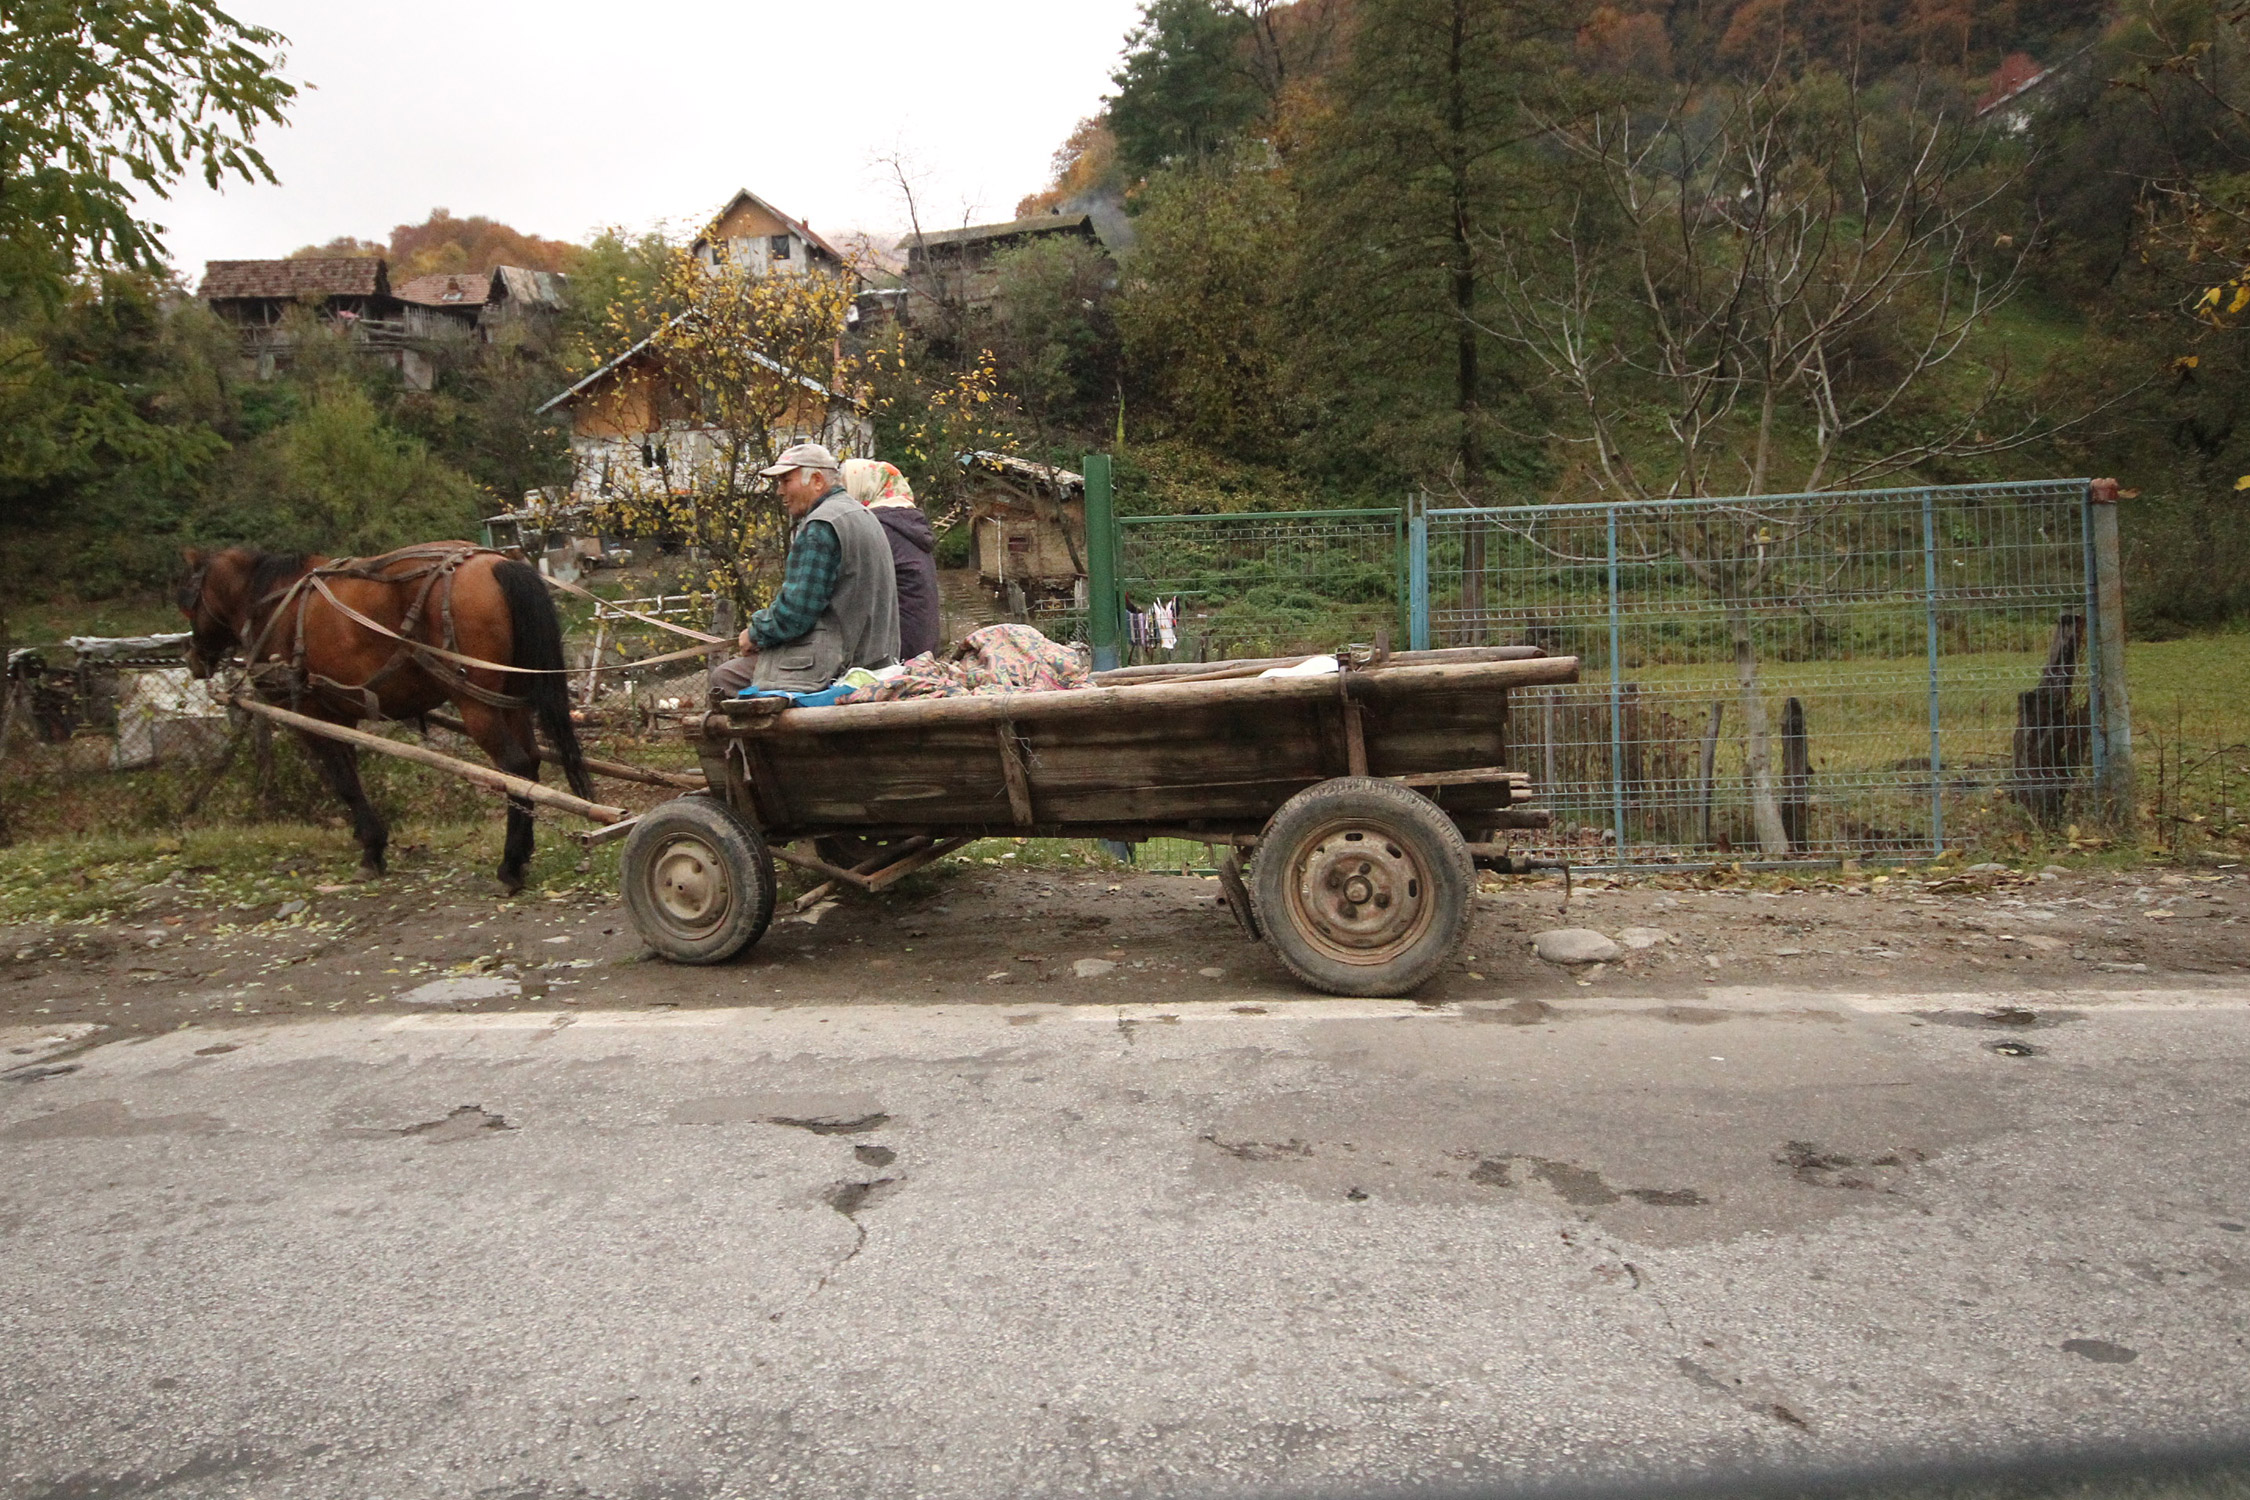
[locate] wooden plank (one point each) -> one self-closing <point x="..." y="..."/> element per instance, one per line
<point x="1157" y="671"/>
<point x="1018" y="774"/>
<point x="1478" y="776"/>
<point x="514" y="786"/>
<point x="1159" y="701"/>
<point x="613" y="769"/>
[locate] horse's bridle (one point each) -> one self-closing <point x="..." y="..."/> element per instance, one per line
<point x="200" y="617"/>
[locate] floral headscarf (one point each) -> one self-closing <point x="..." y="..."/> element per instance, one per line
<point x="875" y="483"/>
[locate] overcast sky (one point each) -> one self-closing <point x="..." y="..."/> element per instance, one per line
<point x="563" y="116"/>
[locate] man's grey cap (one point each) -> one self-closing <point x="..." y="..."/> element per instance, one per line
<point x="802" y="456"/>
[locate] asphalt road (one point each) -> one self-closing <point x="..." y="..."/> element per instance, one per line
<point x="885" y="1250"/>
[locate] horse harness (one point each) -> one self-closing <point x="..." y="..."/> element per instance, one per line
<point x="434" y="570"/>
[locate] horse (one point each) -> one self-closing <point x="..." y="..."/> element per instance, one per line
<point x="394" y="637"/>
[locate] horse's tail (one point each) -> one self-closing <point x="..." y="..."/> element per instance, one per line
<point x="539" y="644"/>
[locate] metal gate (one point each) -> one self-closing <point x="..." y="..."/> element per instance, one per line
<point x="1861" y="674"/>
<point x="1875" y="673"/>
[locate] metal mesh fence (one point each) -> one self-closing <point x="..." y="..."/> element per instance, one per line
<point x="1870" y="673"/>
<point x="1258" y="584"/>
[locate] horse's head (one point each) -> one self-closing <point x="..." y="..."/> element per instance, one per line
<point x="212" y="598"/>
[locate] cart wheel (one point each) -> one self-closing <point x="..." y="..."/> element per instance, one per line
<point x="698" y="881"/>
<point x="1362" y="886"/>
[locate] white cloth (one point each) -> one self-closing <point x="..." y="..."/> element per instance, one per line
<point x="1311" y="666"/>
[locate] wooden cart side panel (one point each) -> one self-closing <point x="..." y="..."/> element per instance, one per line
<point x="1213" y="762"/>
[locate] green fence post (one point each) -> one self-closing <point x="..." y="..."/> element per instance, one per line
<point x="1101" y="563"/>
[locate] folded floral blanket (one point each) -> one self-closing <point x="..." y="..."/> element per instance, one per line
<point x="995" y="659"/>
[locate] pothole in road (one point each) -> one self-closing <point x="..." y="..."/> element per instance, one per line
<point x="1581" y="1187"/>
<point x="848" y="1198"/>
<point x="2003" y="1018"/>
<point x="467" y="1122"/>
<point x="2100" y="1351"/>
<point x="858" y="1125"/>
<point x="1816" y="1166"/>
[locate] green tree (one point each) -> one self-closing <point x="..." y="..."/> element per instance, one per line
<point x="1053" y="334"/>
<point x="102" y="99"/>
<point x="1203" y="302"/>
<point x="1184" y="91"/>
<point x="1403" y="182"/>
<point x="337" y="478"/>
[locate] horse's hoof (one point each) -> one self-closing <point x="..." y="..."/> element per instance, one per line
<point x="508" y="886"/>
<point x="368" y="870"/>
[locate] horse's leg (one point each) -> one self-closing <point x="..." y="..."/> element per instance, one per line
<point x="507" y="737"/>
<point x="339" y="767"/>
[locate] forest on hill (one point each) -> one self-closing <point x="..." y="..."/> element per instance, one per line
<point x="1510" y="250"/>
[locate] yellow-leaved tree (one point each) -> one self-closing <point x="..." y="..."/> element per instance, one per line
<point x="741" y="366"/>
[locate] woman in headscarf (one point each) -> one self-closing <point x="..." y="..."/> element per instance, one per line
<point x="884" y="491"/>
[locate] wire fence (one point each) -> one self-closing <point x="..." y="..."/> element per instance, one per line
<point x="1204" y="588"/>
<point x="1830" y="675"/>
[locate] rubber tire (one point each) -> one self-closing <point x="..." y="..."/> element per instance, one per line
<point x="732" y="849"/>
<point x="1428" y="838"/>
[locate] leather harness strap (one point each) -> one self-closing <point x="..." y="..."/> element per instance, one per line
<point x="293" y="680"/>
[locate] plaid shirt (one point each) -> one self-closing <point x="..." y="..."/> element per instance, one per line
<point x="816" y="558"/>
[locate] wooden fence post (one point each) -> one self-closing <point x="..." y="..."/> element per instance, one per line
<point x="2112" y="709"/>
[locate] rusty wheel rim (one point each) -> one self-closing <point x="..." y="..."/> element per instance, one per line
<point x="1360" y="894"/>
<point x="688" y="884"/>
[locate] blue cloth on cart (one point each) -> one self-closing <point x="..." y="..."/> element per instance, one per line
<point x="827" y="697"/>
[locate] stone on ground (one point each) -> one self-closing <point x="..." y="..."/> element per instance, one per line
<point x="1574" y="945"/>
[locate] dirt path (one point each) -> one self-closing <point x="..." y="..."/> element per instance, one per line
<point x="1005" y="935"/>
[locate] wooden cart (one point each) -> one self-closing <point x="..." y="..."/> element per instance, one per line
<point x="1364" y="799"/>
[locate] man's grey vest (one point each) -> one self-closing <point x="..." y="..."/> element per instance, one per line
<point x="860" y="626"/>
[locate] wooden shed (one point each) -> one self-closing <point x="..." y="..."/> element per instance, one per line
<point x="1027" y="524"/>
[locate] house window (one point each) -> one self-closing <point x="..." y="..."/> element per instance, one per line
<point x="777" y="248"/>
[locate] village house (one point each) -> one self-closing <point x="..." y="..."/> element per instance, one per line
<point x="628" y="416"/>
<point x="752" y="233"/>
<point x="403" y="327"/>
<point x="256" y="297"/>
<point x="955" y="265"/>
<point x="482" y="305"/>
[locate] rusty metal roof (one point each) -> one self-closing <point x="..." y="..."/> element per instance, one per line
<point x="322" y="276"/>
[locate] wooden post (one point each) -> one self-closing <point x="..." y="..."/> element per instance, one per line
<point x="594" y="662"/>
<point x="1796" y="775"/>
<point x="2050" y="739"/>
<point x="722" y="626"/>
<point x="2113" y="713"/>
<point x="1710" y="765"/>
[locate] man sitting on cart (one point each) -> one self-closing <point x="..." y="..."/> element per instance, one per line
<point x="838" y="605"/>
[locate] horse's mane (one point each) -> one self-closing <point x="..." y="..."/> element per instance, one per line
<point x="272" y="571"/>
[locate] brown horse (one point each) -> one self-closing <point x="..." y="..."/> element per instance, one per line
<point x="394" y="637"/>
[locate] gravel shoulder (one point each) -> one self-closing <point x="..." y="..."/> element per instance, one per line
<point x="998" y="934"/>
